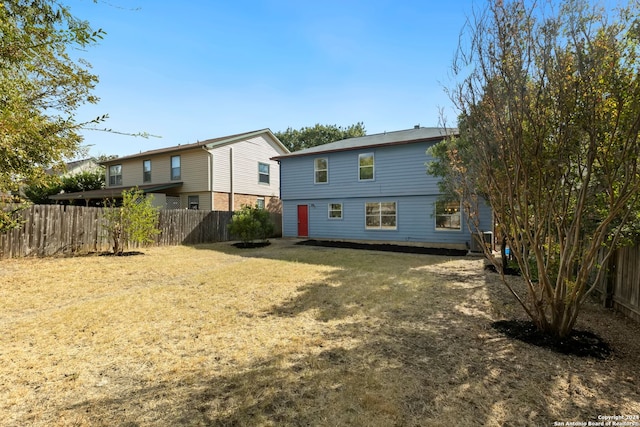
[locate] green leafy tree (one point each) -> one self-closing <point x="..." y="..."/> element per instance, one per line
<point x="306" y="137"/>
<point x="39" y="192"/>
<point x="549" y="129"/>
<point x="41" y="88"/>
<point x="84" y="181"/>
<point x="251" y="223"/>
<point x="135" y="220"/>
<point x="9" y="209"/>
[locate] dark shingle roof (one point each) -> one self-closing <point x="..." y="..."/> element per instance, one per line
<point x="208" y="143"/>
<point x="380" y="139"/>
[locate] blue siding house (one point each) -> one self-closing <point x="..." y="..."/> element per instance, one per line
<point x="373" y="188"/>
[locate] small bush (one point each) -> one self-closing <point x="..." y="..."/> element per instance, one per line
<point x="9" y="218"/>
<point x="251" y="223"/>
<point x="136" y="220"/>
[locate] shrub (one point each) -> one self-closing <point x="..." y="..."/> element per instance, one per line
<point x="9" y="209"/>
<point x="251" y="223"/>
<point x="135" y="221"/>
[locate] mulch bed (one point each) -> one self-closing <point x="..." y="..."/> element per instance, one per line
<point x="387" y="247"/>
<point x="251" y="245"/>
<point x="578" y="343"/>
<point x="127" y="253"/>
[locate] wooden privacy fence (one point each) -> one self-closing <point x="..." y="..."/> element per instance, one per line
<point x="56" y="229"/>
<point x="192" y="226"/>
<point x="620" y="288"/>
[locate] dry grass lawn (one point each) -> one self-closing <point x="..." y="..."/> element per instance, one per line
<point x="288" y="335"/>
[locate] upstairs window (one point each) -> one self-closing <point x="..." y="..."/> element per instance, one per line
<point x="365" y="166"/>
<point x="263" y="173"/>
<point x="176" y="173"/>
<point x="448" y="215"/>
<point x="321" y="170"/>
<point x="381" y="216"/>
<point x="146" y="171"/>
<point x="115" y="175"/>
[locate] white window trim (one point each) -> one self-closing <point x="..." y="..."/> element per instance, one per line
<point x="373" y="166"/>
<point x="144" y="171"/>
<point x="315" y="170"/>
<point x="268" y="175"/>
<point x="445" y="230"/>
<point x="329" y="212"/>
<point x="115" y="184"/>
<point x="179" y="177"/>
<point x="380" y="228"/>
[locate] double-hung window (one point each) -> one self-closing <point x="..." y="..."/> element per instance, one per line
<point x="176" y="172"/>
<point x="335" y="210"/>
<point x="263" y="173"/>
<point x="448" y="215"/>
<point x="380" y="215"/>
<point x="321" y="170"/>
<point x="146" y="171"/>
<point x="194" y="202"/>
<point x="115" y="175"/>
<point x="366" y="167"/>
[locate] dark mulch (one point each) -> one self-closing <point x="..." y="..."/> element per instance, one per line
<point x="251" y="245"/>
<point x="578" y="343"/>
<point x="387" y="247"/>
<point x="128" y="253"/>
<point x="507" y="271"/>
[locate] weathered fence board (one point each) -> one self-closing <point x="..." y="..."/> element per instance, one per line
<point x="620" y="287"/>
<point x="626" y="293"/>
<point x="53" y="229"/>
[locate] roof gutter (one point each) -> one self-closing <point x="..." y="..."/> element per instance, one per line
<point x="362" y="147"/>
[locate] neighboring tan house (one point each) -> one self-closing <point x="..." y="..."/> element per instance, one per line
<point x="373" y="188"/>
<point x="217" y="174"/>
<point x="76" y="167"/>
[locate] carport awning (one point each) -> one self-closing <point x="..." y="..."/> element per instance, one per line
<point x="114" y="192"/>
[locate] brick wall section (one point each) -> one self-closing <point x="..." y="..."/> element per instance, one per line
<point x="221" y="202"/>
<point x="273" y="204"/>
<point x="240" y="200"/>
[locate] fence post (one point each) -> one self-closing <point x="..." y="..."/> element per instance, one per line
<point x="610" y="280"/>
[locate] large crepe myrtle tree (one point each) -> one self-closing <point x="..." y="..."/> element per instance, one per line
<point x="549" y="121"/>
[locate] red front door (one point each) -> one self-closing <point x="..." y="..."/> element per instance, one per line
<point x="303" y="221"/>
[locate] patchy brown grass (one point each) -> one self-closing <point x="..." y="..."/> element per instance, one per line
<point x="288" y="335"/>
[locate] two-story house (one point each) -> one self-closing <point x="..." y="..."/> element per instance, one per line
<point x="372" y="188"/>
<point x="217" y="174"/>
<point x="75" y="167"/>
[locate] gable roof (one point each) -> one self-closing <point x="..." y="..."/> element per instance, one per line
<point x="420" y="134"/>
<point x="209" y="143"/>
<point x="70" y="167"/>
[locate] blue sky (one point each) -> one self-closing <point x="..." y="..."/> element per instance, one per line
<point x="194" y="70"/>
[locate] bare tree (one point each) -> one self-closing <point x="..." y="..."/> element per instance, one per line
<point x="549" y="103"/>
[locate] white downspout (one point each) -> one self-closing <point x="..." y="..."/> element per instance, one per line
<point x="210" y="177"/>
<point x="231" y="192"/>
